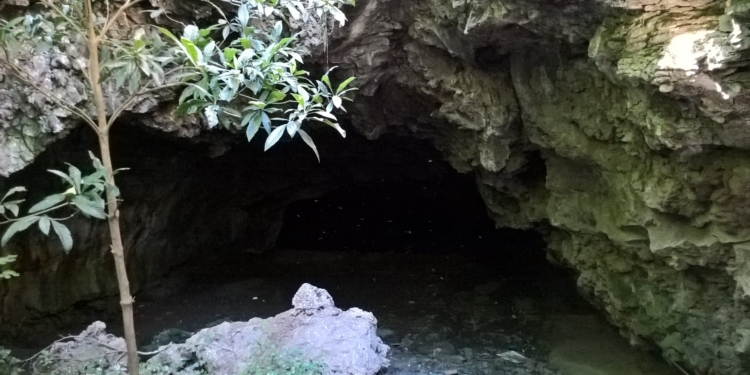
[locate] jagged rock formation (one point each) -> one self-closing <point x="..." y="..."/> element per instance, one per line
<point x="618" y="126"/>
<point x="636" y="111"/>
<point x="315" y="332"/>
<point x="314" y="336"/>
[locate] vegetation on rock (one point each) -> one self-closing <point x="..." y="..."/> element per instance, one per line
<point x="239" y="73"/>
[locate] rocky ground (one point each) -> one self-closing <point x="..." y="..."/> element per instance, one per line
<point x="440" y="315"/>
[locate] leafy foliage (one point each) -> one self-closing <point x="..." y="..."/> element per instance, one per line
<point x="241" y="73"/>
<point x="9" y="365"/>
<point x="59" y="30"/>
<point x="82" y="195"/>
<point x="7" y="274"/>
<point x="278" y="362"/>
<point x="248" y="76"/>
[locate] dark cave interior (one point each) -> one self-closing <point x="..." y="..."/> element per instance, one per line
<point x="371" y="217"/>
<point x="441" y="215"/>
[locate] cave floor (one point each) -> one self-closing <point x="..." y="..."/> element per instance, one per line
<point x="439" y="314"/>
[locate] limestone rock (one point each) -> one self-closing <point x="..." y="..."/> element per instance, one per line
<point x="309" y="298"/>
<point x="332" y="340"/>
<point x="81" y="354"/>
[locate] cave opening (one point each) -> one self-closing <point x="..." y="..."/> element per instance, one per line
<point x="438" y="215"/>
<point x="218" y="230"/>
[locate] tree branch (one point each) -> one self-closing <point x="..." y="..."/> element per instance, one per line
<point x="135" y="96"/>
<point x="61" y="205"/>
<point x="62" y="14"/>
<point x="111" y="21"/>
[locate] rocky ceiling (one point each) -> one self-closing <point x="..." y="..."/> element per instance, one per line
<point x="619" y="126"/>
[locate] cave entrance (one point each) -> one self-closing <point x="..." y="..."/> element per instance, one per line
<point x="386" y="226"/>
<point x="390" y="228"/>
<point x="439" y="215"/>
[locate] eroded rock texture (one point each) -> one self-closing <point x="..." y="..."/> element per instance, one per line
<point x="315" y="332"/>
<point x="618" y="126"/>
<point x="183" y="200"/>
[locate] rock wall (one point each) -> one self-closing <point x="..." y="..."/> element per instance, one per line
<point x="618" y="127"/>
<point x="182" y="200"/>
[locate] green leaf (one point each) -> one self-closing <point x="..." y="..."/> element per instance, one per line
<point x="253" y="126"/>
<point x="88" y="207"/>
<point x="17" y="226"/>
<point x="231" y="112"/>
<point x="17" y="189"/>
<point x="8" y="274"/>
<point x="75" y="175"/>
<point x="309" y="141"/>
<point x="277" y="29"/>
<point x="200" y="89"/>
<point x="344" y="84"/>
<point x="186" y="94"/>
<point x="255" y="106"/>
<point x="265" y="121"/>
<point x="325" y="114"/>
<point x="97" y="163"/>
<point x="191" y="106"/>
<point x="338" y="15"/>
<point x="8" y="259"/>
<point x="93" y="179"/>
<point x="64" y="176"/>
<point x="114" y="189"/>
<point x="331" y="124"/>
<point x="243" y="14"/>
<point x="168" y="34"/>
<point x="338" y="128"/>
<point x="275" y="96"/>
<point x="300" y="99"/>
<point x="64" y="234"/>
<point x="13" y="207"/>
<point x="245" y="57"/>
<point x="47" y="202"/>
<point x="292" y="127"/>
<point x="282" y="43"/>
<point x="191" y="33"/>
<point x="193" y="52"/>
<point x="208" y="51"/>
<point x="274" y="137"/>
<point x="293" y="11"/>
<point x="44" y="223"/>
<point x="229" y="54"/>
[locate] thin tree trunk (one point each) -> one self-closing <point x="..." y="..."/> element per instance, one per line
<point x="126" y="299"/>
